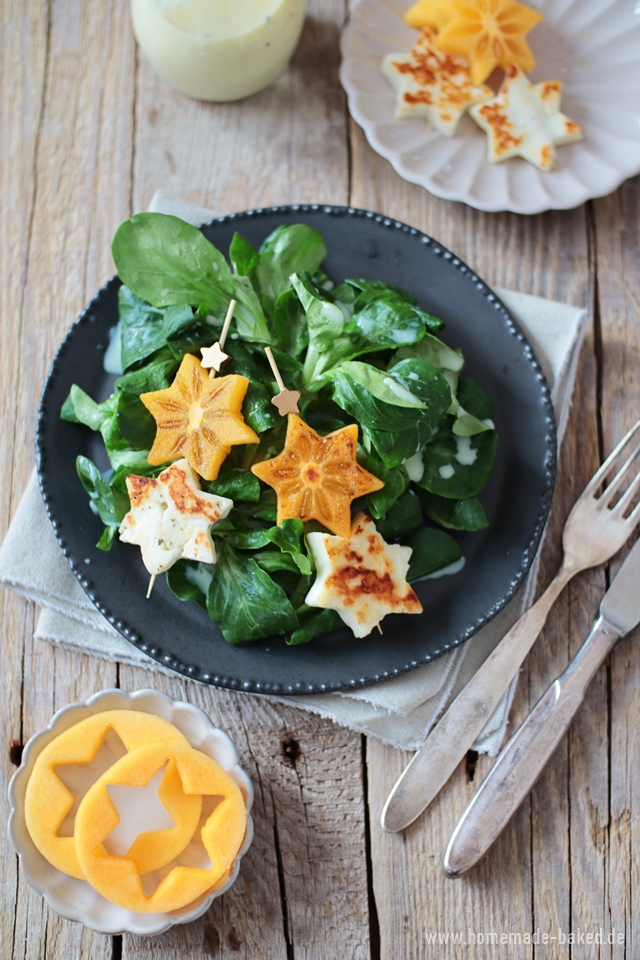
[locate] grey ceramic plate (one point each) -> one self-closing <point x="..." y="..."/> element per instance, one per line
<point x="517" y="498"/>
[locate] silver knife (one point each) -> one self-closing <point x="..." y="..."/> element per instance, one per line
<point x="524" y="757"/>
<point x="464" y="719"/>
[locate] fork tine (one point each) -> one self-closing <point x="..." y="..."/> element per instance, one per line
<point x="634" y="517"/>
<point x="601" y="473"/>
<point x="617" y="481"/>
<point x="627" y="496"/>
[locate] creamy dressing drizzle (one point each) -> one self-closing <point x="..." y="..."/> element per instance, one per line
<point x="401" y="392"/>
<point x="466" y="454"/>
<point x="415" y="467"/>
<point x="447" y="571"/>
<point x="402" y="336"/>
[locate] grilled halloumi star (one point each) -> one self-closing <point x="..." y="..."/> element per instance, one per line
<point x="171" y="517"/>
<point x="524" y="120"/>
<point x="362" y="577"/>
<point x="432" y="84"/>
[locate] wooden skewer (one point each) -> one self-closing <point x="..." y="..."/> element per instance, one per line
<point x="274" y="368"/>
<point x="227" y="323"/>
<point x="212" y="373"/>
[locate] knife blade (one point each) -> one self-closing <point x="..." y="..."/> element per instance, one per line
<point x="524" y="757"/>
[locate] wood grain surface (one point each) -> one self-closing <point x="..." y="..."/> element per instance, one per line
<point x="88" y="133"/>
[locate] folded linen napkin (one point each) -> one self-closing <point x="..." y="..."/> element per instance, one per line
<point x="400" y="711"/>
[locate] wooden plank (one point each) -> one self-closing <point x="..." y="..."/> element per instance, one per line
<point x="20" y="120"/>
<point x="232" y="156"/>
<point x="20" y="114"/>
<point x="71" y="73"/>
<point x="302" y="889"/>
<point x="612" y="819"/>
<point x="75" y="170"/>
<point x="545" y="255"/>
<point x="556" y="864"/>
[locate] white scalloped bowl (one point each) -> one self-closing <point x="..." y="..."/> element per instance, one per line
<point x="592" y="46"/>
<point x="76" y="899"/>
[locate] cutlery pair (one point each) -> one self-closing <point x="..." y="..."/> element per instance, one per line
<point x="524" y="757"/>
<point x="599" y="524"/>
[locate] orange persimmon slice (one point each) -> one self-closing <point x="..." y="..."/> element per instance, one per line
<point x="429" y="13"/>
<point x="117" y="877"/>
<point x="198" y="418"/>
<point x="489" y="33"/>
<point x="316" y="478"/>
<point x="48" y="801"/>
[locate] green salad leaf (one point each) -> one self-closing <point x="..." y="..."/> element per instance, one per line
<point x="245" y="601"/>
<point x="287" y="251"/>
<point x="166" y="261"/>
<point x="432" y="550"/>
<point x="358" y="351"/>
<point x="109" y="503"/>
<point x="188" y="580"/>
<point x="398" y="410"/>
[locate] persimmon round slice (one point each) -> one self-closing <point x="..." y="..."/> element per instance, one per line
<point x="117" y="878"/>
<point x="48" y="800"/>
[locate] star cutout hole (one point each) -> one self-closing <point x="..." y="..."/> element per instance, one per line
<point x="140" y="810"/>
<point x="78" y="777"/>
<point x="193" y="855"/>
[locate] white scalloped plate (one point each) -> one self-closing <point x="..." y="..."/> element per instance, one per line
<point x="592" y="46"/>
<point x="76" y="899"/>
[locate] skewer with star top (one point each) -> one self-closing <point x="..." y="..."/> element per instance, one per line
<point x="214" y="356"/>
<point x="286" y="401"/>
<point x="315" y="477"/>
<point x="199" y="418"/>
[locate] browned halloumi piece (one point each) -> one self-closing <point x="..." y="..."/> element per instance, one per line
<point x="362" y="577"/>
<point x="171" y="517"/>
<point x="524" y="120"/>
<point x="432" y="84"/>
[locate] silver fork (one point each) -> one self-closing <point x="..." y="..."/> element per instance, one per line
<point x="595" y="530"/>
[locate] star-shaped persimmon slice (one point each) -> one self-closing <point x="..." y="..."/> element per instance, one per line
<point x="429" y="13"/>
<point x="490" y="34"/>
<point x="198" y="418"/>
<point x="317" y="478"/>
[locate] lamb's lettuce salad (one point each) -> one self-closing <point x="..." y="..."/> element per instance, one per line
<point x="358" y="351"/>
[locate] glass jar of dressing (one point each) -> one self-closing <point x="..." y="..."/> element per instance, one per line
<point x="218" y="49"/>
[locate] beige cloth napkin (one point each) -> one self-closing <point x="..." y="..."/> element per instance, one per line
<point x="399" y="711"/>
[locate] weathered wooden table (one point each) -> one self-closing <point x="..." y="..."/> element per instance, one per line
<point x="88" y="133"/>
